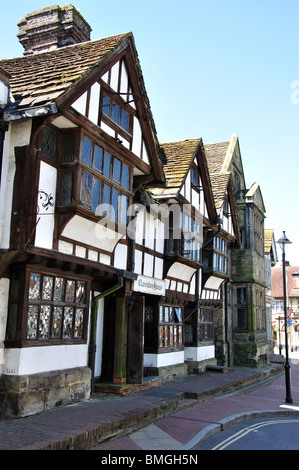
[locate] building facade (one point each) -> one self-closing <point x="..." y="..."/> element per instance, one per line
<point x="292" y="303"/>
<point x="120" y="256"/>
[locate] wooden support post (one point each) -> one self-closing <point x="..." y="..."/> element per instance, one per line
<point x="120" y="348"/>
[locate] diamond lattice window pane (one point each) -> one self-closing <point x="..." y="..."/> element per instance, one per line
<point x="49" y="143"/>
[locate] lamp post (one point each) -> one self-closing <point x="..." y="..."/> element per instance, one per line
<point x="282" y="242"/>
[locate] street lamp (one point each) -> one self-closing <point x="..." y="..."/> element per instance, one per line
<point x="282" y="242"/>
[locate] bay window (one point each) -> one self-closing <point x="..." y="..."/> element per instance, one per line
<point x="100" y="182"/>
<point x="47" y="308"/>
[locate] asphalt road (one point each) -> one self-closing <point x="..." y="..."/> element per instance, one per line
<point x="257" y="434"/>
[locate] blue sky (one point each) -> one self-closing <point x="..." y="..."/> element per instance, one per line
<point x="211" y="69"/>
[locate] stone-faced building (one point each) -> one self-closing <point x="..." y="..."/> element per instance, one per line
<point x="245" y="293"/>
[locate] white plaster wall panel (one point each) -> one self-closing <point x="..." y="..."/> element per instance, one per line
<point x="198" y="354"/>
<point x="124" y="81"/>
<point x="92" y="255"/>
<point x="145" y="154"/>
<point x="4" y="293"/>
<point x="120" y="256"/>
<point x="105" y="77"/>
<point x="148" y="265"/>
<point x="18" y="135"/>
<point x="158" y="268"/>
<point x="94" y="103"/>
<point x="107" y="129"/>
<point x="99" y="337"/>
<point x="46" y="358"/>
<point x="45" y="217"/>
<point x="188" y="187"/>
<point x="80" y="104"/>
<point x="138" y="262"/>
<point x="213" y="283"/>
<point x="195" y="199"/>
<point x="192" y="285"/>
<point x="63" y="123"/>
<point x="140" y="220"/>
<point x="80" y="251"/>
<point x="65" y="247"/>
<point x="126" y="143"/>
<point x="114" y="74"/>
<point x="165" y="359"/>
<point x="180" y="271"/>
<point x="137" y="137"/>
<point x="91" y="233"/>
<point x="3" y="94"/>
<point x="149" y="231"/>
<point x="160" y="236"/>
<point x="105" y="259"/>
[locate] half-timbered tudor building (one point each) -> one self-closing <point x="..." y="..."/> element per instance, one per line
<point x="80" y="143"/>
<point x="196" y="258"/>
<point x="116" y="253"/>
<point x="245" y="293"/>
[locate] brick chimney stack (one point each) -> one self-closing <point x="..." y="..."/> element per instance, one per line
<point x="51" y="28"/>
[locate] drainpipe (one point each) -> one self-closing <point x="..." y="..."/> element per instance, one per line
<point x="93" y="326"/>
<point x="226" y="324"/>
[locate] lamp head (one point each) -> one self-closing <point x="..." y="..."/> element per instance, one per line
<point x="283" y="240"/>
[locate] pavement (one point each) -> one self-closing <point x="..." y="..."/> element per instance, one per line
<point x="173" y="415"/>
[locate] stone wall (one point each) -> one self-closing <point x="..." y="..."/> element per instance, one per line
<point x="26" y="395"/>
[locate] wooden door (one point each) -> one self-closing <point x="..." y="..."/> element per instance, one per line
<point x="135" y="345"/>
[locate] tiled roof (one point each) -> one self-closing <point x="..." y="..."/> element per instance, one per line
<point x="176" y="159"/>
<point x="219" y="187"/>
<point x="277" y="282"/>
<point x="268" y="236"/>
<point x="215" y="154"/>
<point x="41" y="78"/>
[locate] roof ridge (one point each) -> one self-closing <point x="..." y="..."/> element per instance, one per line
<point x="60" y="49"/>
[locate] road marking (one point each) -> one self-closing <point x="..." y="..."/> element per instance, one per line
<point x="253" y="428"/>
<point x="154" y="438"/>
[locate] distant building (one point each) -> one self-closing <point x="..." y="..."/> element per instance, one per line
<point x="292" y="294"/>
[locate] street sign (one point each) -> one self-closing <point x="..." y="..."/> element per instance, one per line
<point x="289" y="322"/>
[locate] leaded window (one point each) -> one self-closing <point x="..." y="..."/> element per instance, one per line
<point x="49" y="139"/>
<point x="205" y="325"/>
<point x="190" y="246"/>
<point x="104" y="181"/>
<point x="220" y="255"/>
<point x="56" y="307"/>
<point x="241" y="307"/>
<point x="170" y="327"/>
<point x="116" y="113"/>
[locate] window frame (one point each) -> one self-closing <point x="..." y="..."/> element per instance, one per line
<point x="116" y="99"/>
<point x="171" y="329"/>
<point x="86" y="168"/>
<point x="22" y="302"/>
<point x="241" y="306"/>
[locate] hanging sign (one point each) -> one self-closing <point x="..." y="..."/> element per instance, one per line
<point x="149" y="285"/>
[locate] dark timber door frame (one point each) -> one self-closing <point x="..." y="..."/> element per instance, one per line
<point x="135" y="347"/>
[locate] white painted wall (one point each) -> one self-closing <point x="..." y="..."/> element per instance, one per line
<point x="164" y="359"/>
<point x="25" y="361"/>
<point x="99" y="337"/>
<point x="45" y="218"/>
<point x="198" y="354"/>
<point x="4" y="293"/>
